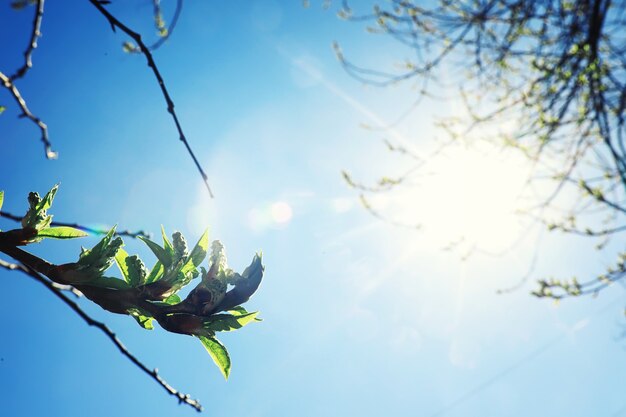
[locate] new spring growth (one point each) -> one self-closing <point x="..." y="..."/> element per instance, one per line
<point x="147" y="296"/>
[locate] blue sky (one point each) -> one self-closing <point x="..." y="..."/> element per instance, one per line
<point x="360" y="318"/>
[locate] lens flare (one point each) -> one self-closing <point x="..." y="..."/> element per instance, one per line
<point x="274" y="215"/>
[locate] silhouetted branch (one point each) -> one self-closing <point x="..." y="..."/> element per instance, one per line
<point x="8" y="84"/>
<point x="56" y="285"/>
<point x="182" y="398"/>
<point x="87" y="229"/>
<point x="145" y="50"/>
<point x="32" y="45"/>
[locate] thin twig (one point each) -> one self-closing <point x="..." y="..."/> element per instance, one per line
<point x="182" y="398"/>
<point x="115" y="23"/>
<point x="92" y="230"/>
<point x="8" y="84"/>
<point x="60" y="287"/>
<point x="32" y="45"/>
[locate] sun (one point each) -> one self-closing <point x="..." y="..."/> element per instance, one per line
<point x="464" y="194"/>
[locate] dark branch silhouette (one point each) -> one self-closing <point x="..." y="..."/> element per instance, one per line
<point x="145" y="50"/>
<point x="8" y="82"/>
<point x="141" y="47"/>
<point x="15" y="93"/>
<point x="32" y="45"/>
<point x="56" y="290"/>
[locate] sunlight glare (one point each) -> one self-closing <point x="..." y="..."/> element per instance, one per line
<point x="466" y="194"/>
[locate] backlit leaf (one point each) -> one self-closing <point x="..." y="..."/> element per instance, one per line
<point x="162" y="255"/>
<point x="218" y="353"/>
<point x="61" y="232"/>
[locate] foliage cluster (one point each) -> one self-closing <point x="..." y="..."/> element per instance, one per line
<point x="147" y="295"/>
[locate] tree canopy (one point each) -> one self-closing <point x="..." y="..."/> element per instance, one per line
<point x="555" y="69"/>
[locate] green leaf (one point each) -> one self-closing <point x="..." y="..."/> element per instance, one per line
<point x="36" y="216"/>
<point x="99" y="258"/>
<point x="172" y="299"/>
<point x="166" y="243"/>
<point x="61" y="232"/>
<point x="162" y="254"/>
<point x="218" y="353"/>
<point x="240" y="311"/>
<point x="120" y="261"/>
<point x="142" y="319"/>
<point x="1" y="198"/>
<point x="229" y="322"/>
<point x="2" y="109"/>
<point x="46" y="202"/>
<point x="198" y="253"/>
<point x="156" y="273"/>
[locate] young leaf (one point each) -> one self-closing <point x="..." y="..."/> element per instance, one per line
<point x="36" y="216"/>
<point x="1" y="199"/>
<point x="198" y="253"/>
<point x="143" y="320"/>
<point x="61" y="232"/>
<point x="240" y="311"/>
<point x="155" y="273"/>
<point x="99" y="258"/>
<point x="229" y="322"/>
<point x="46" y="202"/>
<point x="162" y="254"/>
<point x="120" y="261"/>
<point x="166" y="243"/>
<point x="218" y="353"/>
<point x="172" y="299"/>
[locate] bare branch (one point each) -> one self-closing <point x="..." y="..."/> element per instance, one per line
<point x="182" y="398"/>
<point x="56" y="285"/>
<point x="554" y="68"/>
<point x="8" y="84"/>
<point x="32" y="45"/>
<point x="145" y="50"/>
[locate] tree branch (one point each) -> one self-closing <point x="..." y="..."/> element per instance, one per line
<point x="9" y="85"/>
<point x="32" y="45"/>
<point x="145" y="50"/>
<point x="182" y="398"/>
<point x="56" y="285"/>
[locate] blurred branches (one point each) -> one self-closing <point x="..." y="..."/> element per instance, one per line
<point x="555" y="69"/>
